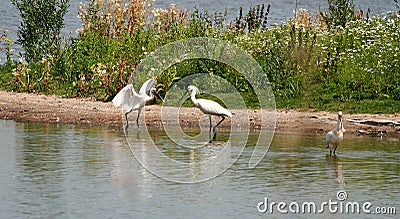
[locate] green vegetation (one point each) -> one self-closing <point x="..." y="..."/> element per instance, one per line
<point x="42" y="21"/>
<point x="339" y="59"/>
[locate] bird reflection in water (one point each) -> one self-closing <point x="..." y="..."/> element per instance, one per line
<point x="334" y="168"/>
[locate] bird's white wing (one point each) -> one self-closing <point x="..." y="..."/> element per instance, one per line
<point x="147" y="85"/>
<point x="213" y="108"/>
<point x="329" y="137"/>
<point x="124" y="96"/>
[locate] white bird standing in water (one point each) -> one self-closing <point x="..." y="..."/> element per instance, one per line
<point x="130" y="100"/>
<point x="208" y="107"/>
<point x="335" y="136"/>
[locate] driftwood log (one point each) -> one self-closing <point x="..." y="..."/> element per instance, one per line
<point x="375" y="122"/>
<point x="374" y="133"/>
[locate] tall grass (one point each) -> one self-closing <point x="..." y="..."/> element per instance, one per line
<point x="322" y="61"/>
<point x="114" y="18"/>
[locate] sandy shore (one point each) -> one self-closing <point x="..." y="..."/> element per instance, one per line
<point x="24" y="107"/>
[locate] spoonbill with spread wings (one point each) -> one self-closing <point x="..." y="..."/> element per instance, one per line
<point x="130" y="100"/>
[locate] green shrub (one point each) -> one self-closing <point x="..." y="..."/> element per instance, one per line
<point x="328" y="61"/>
<point x="39" y="33"/>
<point x="340" y="12"/>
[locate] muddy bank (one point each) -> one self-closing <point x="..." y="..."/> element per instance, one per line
<point x="24" y="107"/>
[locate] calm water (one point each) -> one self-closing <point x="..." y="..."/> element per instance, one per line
<point x="66" y="171"/>
<point x="281" y="10"/>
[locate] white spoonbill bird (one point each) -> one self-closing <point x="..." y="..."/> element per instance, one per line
<point x="208" y="107"/>
<point x="130" y="100"/>
<point x="335" y="136"/>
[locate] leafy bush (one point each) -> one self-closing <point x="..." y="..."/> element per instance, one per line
<point x="39" y="33"/>
<point x="340" y="13"/>
<point x="325" y="61"/>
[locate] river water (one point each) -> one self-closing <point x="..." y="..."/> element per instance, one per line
<point x="281" y="10"/>
<point x="68" y="171"/>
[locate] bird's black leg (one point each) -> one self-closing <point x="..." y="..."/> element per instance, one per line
<point x="223" y="118"/>
<point x="137" y="119"/>
<point x="215" y="127"/>
<point x="126" y="118"/>
<point x="210" y="124"/>
<point x="334" y="150"/>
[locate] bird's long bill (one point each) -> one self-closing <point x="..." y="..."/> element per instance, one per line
<point x="184" y="95"/>
<point x="158" y="95"/>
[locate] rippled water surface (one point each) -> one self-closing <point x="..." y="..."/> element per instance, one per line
<point x="66" y="171"/>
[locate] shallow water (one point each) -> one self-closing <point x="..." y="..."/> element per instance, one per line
<point x="66" y="171"/>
